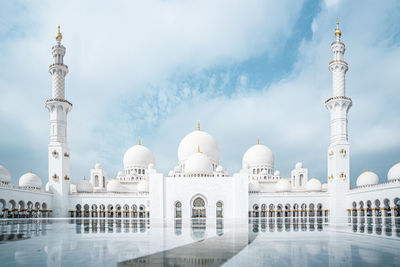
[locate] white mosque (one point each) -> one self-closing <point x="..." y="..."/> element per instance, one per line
<point x="198" y="186"/>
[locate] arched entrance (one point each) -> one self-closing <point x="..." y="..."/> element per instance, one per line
<point x="198" y="208"/>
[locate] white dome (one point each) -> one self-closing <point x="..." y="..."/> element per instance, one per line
<point x="143" y="186"/>
<point x="220" y="169"/>
<point x="313" y="185"/>
<point x="4" y="175"/>
<point x="84" y="186"/>
<point x="138" y="156"/>
<point x="98" y="166"/>
<point x="258" y="155"/>
<point x="283" y="185"/>
<point x="115" y="186"/>
<point x="254" y="186"/>
<point x="120" y="174"/>
<point x="394" y="172"/>
<point x="367" y="178"/>
<point x="30" y="180"/>
<point x="198" y="163"/>
<point x="192" y="141"/>
<point x="277" y="173"/>
<point x="299" y="165"/>
<point x="48" y="188"/>
<point x="72" y="188"/>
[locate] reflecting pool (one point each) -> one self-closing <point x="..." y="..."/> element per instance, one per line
<point x="139" y="242"/>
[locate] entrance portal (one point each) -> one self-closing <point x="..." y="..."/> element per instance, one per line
<point x="199" y="208"/>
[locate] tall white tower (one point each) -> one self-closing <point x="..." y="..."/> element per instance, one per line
<point x="59" y="107"/>
<point x="339" y="148"/>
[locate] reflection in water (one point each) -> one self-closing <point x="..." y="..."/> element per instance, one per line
<point x="136" y="242"/>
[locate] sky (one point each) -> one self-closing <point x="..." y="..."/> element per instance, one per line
<point x="244" y="69"/>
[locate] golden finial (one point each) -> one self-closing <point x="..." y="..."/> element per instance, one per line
<point x="59" y="35"/>
<point x="338" y="33"/>
<point x="367" y="170"/>
<point x="198" y="125"/>
<point x="198" y="149"/>
<point x="30" y="171"/>
<point x="258" y="140"/>
<point x="140" y="142"/>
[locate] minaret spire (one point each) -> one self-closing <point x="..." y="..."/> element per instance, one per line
<point x="59" y="108"/>
<point x="339" y="148"/>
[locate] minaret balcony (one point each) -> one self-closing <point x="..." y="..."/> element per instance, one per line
<point x="338" y="98"/>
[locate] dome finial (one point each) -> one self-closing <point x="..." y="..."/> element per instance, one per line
<point x="367" y="170"/>
<point x="198" y="125"/>
<point x="338" y="33"/>
<point x="59" y="35"/>
<point x="140" y="142"/>
<point x="258" y="140"/>
<point x="198" y="149"/>
<point x="30" y="170"/>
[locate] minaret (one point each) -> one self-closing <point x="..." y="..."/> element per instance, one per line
<point x="59" y="107"/>
<point x="339" y="148"/>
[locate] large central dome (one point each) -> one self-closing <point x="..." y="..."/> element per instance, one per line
<point x="192" y="141"/>
<point x="138" y="156"/>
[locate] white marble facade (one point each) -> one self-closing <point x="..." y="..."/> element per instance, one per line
<point x="198" y="186"/>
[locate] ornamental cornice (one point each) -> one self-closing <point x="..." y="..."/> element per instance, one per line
<point x="59" y="100"/>
<point x="58" y="65"/>
<point x="338" y="61"/>
<point x="342" y="98"/>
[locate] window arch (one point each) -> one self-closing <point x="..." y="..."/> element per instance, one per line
<point x="219" y="206"/>
<point x="178" y="209"/>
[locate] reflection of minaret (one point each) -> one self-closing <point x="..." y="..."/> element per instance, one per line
<point x="339" y="148"/>
<point x="59" y="107"/>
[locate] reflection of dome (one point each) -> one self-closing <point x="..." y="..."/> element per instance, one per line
<point x="254" y="186"/>
<point x="30" y="180"/>
<point x="299" y="165"/>
<point x="367" y="178"/>
<point x="98" y="166"/>
<point x="4" y="175"/>
<point x="372" y="257"/>
<point x="394" y="172"/>
<point x="198" y="163"/>
<point x="258" y="155"/>
<point x="190" y="142"/>
<point x="115" y="186"/>
<point x="138" y="156"/>
<point x="313" y="185"/>
<point x="283" y="185"/>
<point x="143" y="186"/>
<point x="84" y="186"/>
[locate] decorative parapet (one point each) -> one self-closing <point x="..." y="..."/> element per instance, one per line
<point x="58" y="99"/>
<point x="375" y="186"/>
<point x="338" y="98"/>
<point x="16" y="187"/>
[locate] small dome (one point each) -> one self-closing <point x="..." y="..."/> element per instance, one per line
<point x="138" y="156"/>
<point x="219" y="169"/>
<point x="283" y="185"/>
<point x="143" y="186"/>
<point x="198" y="163"/>
<point x="98" y="166"/>
<point x="72" y="188"/>
<point x="30" y="180"/>
<point x="324" y="186"/>
<point x="313" y="185"/>
<point x="254" y="186"/>
<point x="115" y="186"/>
<point x="151" y="166"/>
<point x="277" y="173"/>
<point x="367" y="178"/>
<point x="120" y="174"/>
<point x="84" y="186"/>
<point x="170" y="173"/>
<point x="299" y="165"/>
<point x="4" y="175"/>
<point x="48" y="188"/>
<point x="258" y="155"/>
<point x="394" y="172"/>
<point x="190" y="143"/>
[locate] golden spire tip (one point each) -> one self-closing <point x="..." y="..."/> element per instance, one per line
<point x="30" y="171"/>
<point x="198" y="148"/>
<point x="258" y="140"/>
<point x="59" y="35"/>
<point x="140" y="142"/>
<point x="198" y="125"/>
<point x="338" y="32"/>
